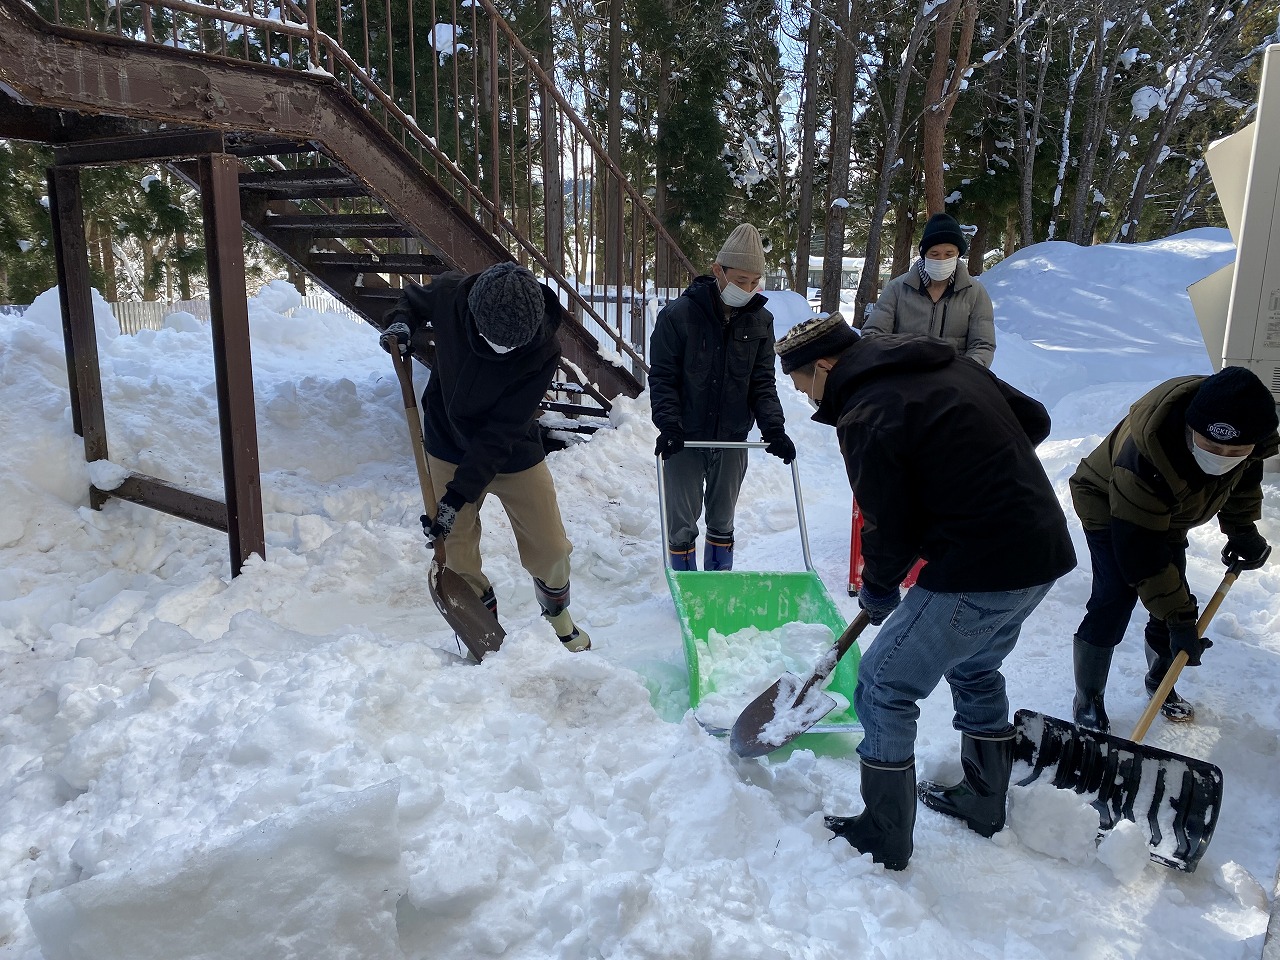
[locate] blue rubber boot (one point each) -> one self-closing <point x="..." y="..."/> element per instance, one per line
<point x="718" y="554"/>
<point x="684" y="559"/>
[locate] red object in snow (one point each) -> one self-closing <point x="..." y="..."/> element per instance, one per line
<point x="856" y="561"/>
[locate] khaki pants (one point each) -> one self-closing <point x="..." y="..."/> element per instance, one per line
<point x="529" y="500"/>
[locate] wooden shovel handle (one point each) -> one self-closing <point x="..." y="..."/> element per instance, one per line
<point x="1180" y="661"/>
<point x="404" y="372"/>
<point x="833" y="656"/>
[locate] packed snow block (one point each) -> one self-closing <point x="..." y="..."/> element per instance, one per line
<point x="321" y="880"/>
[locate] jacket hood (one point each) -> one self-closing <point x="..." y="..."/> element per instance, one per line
<point x="873" y="357"/>
<point x="1150" y="415"/>
<point x="479" y="346"/>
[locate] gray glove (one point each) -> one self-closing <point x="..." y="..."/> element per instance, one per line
<point x="397" y="333"/>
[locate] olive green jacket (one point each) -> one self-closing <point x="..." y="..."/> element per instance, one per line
<point x="1144" y="485"/>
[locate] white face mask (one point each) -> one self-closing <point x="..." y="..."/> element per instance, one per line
<point x="1211" y="463"/>
<point x="940" y="269"/>
<point x="735" y="297"/>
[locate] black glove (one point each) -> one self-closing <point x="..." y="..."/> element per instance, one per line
<point x="397" y="333"/>
<point x="878" y="605"/>
<point x="1183" y="636"/>
<point x="669" y="444"/>
<point x="781" y="447"/>
<point x="1250" y="549"/>
<point x="446" y="513"/>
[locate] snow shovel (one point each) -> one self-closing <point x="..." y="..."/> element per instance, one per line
<point x="462" y="609"/>
<point x="792" y="705"/>
<point x="1175" y="799"/>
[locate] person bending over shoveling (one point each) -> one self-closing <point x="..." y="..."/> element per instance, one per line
<point x="941" y="457"/>
<point x="494" y="336"/>
<point x="1189" y="450"/>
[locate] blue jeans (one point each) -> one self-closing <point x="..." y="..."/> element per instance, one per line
<point x="963" y="637"/>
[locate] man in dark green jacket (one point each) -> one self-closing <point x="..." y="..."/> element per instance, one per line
<point x="711" y="376"/>
<point x="1189" y="450"/>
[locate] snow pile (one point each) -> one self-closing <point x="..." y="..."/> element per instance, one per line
<point x="299" y="763"/>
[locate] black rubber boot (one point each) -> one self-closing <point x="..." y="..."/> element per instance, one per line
<point x="978" y="799"/>
<point x="1174" y="708"/>
<point x="1092" y="664"/>
<point x="885" y="828"/>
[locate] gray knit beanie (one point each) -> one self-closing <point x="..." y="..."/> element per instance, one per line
<point x="743" y="250"/>
<point x="508" y="304"/>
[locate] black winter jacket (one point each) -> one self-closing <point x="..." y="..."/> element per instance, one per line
<point x="709" y="380"/>
<point x="480" y="408"/>
<point x="941" y="458"/>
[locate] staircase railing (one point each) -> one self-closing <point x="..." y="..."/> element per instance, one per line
<point x="477" y="108"/>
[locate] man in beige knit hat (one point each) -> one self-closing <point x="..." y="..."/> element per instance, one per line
<point x="711" y="377"/>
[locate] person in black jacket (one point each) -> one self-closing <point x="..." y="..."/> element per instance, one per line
<point x="711" y="376"/>
<point x="496" y="353"/>
<point x="941" y="456"/>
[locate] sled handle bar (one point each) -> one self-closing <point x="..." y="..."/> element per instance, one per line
<point x="731" y="445"/>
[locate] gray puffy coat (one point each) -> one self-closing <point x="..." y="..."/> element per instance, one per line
<point x="963" y="316"/>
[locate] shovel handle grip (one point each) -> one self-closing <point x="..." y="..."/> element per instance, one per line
<point x="1180" y="661"/>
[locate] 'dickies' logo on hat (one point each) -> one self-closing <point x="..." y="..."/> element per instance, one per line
<point x="1222" y="432"/>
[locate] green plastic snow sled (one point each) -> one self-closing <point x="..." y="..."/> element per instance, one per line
<point x="729" y="601"/>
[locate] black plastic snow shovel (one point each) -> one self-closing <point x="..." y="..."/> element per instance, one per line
<point x="1174" y="799"/>
<point x="462" y="609"/>
<point x="792" y="705"/>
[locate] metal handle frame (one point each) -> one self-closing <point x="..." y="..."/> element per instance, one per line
<point x="731" y="445"/>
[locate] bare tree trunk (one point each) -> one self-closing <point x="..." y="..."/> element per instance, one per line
<point x="1028" y="134"/>
<point x="869" y="285"/>
<point x="613" y="144"/>
<point x="808" y="137"/>
<point x="993" y="90"/>
<point x="1203" y="50"/>
<point x="841" y="137"/>
<point x="941" y="92"/>
<point x="106" y="262"/>
<point x="663" y="267"/>
<point x="1105" y="30"/>
<point x="184" y="274"/>
<point x="1074" y="73"/>
<point x="905" y="218"/>
<point x="552" y="178"/>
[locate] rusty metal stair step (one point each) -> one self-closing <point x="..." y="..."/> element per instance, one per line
<point x="248" y="144"/>
<point x="413" y="263"/>
<point x="302" y="184"/>
<point x="339" y="225"/>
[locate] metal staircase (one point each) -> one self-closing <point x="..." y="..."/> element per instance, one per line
<point x="367" y="149"/>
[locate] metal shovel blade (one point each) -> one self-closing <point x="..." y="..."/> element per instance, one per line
<point x="792" y="705"/>
<point x="471" y="620"/>
<point x="778" y="716"/>
<point x="1174" y="799"/>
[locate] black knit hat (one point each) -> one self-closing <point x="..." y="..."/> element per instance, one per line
<point x="507" y="304"/>
<point x="942" y="228"/>
<point x="1233" y="407"/>
<point x="814" y="339"/>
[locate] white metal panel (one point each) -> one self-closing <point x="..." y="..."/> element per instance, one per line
<point x="1253" y="316"/>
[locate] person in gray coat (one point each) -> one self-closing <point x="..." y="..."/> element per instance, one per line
<point x="938" y="298"/>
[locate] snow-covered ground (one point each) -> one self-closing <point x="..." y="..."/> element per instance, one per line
<point x="298" y="763"/>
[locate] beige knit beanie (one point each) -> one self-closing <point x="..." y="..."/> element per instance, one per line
<point x="743" y="250"/>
